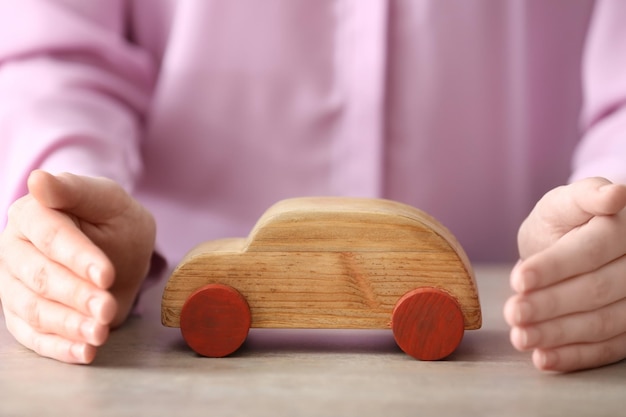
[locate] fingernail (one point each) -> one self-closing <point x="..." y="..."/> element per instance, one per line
<point x="94" y="273"/>
<point x="523" y="313"/>
<point x="514" y="276"/>
<point x="102" y="308"/>
<point x="528" y="280"/>
<point x="78" y="352"/>
<point x="95" y="306"/>
<point x="522" y="280"/>
<point x="547" y="360"/>
<point x="529" y="337"/>
<point x="88" y="329"/>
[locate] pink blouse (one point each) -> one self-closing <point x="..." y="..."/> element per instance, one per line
<point x="209" y="111"/>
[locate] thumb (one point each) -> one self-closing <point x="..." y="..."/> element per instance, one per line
<point x="89" y="198"/>
<point x="566" y="208"/>
<point x="575" y="204"/>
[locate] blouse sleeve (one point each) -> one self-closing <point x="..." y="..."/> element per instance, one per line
<point x="602" y="151"/>
<point x="74" y="92"/>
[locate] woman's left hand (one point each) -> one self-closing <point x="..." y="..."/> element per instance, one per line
<point x="570" y="283"/>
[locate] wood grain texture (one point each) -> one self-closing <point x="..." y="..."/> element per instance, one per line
<point x="330" y="262"/>
<point x="427" y="324"/>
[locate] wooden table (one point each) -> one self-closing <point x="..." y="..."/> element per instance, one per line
<point x="146" y="370"/>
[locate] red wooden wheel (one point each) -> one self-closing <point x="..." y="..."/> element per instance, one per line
<point x="427" y="323"/>
<point x="215" y="320"/>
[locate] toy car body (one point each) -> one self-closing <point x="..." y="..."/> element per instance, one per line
<point x="328" y="262"/>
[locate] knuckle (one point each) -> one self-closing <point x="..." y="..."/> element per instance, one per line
<point x="38" y="344"/>
<point x="32" y="312"/>
<point x="48" y="238"/>
<point x="40" y="281"/>
<point x="601" y="290"/>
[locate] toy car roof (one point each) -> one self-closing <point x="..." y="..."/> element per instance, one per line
<point x="344" y="223"/>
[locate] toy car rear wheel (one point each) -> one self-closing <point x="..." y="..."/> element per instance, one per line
<point x="215" y="320"/>
<point x="427" y="323"/>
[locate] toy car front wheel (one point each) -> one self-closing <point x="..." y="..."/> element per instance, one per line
<point x="215" y="320"/>
<point x="427" y="323"/>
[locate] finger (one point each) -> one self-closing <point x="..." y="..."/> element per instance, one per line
<point x="92" y="199"/>
<point x="55" y="282"/>
<point x="575" y="204"/>
<point x="565" y="208"/>
<point x="49" y="317"/>
<point x="588" y="327"/>
<point x="57" y="237"/>
<point x="49" y="345"/>
<point x="582" y="250"/>
<point x="584" y="292"/>
<point x="581" y="356"/>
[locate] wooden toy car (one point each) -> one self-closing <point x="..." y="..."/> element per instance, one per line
<point x="328" y="262"/>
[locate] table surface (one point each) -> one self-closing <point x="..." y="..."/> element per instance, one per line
<point x="147" y="370"/>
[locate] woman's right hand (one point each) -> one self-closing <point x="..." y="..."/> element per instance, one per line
<point x="72" y="259"/>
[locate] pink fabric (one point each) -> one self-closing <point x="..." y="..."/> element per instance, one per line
<point x="603" y="149"/>
<point x="209" y="110"/>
